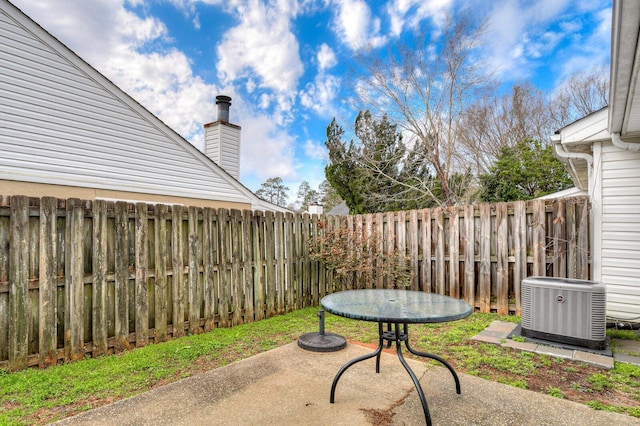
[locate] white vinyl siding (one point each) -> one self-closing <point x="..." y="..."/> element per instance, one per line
<point x="63" y="123"/>
<point x="222" y="145"/>
<point x="621" y="231"/>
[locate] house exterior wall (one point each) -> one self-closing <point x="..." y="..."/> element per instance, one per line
<point x="619" y="240"/>
<point x="66" y="125"/>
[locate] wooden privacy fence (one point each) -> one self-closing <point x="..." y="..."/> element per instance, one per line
<point x="84" y="278"/>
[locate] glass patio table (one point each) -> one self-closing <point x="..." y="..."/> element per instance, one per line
<point x="396" y="308"/>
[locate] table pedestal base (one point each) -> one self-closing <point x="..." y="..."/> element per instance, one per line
<point x="390" y="336"/>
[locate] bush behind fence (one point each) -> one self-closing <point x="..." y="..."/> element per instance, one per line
<point x="82" y="278"/>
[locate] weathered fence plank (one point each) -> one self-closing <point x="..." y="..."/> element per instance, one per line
<point x="160" y="279"/>
<point x="484" y="274"/>
<point x="582" y="264"/>
<point x="270" y="252"/>
<point x="141" y="284"/>
<point x="520" y="249"/>
<point x="224" y="282"/>
<point x="19" y="284"/>
<point x="425" y="266"/>
<point x="440" y="279"/>
<point x="539" y="238"/>
<point x="469" y="255"/>
<point x="121" y="254"/>
<point x="258" y="268"/>
<point x="99" y="288"/>
<point x="247" y="267"/>
<point x="559" y="239"/>
<point x="237" y="298"/>
<point x="454" y="252"/>
<point x="502" y="264"/>
<point x="74" y="286"/>
<point x="48" y="290"/>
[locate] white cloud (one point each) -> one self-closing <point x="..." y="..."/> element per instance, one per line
<point x="316" y="150"/>
<point x="326" y="57"/>
<point x="518" y="33"/>
<point x="263" y="47"/>
<point x="356" y="26"/>
<point x="408" y="14"/>
<point x="266" y="150"/>
<point x="320" y="95"/>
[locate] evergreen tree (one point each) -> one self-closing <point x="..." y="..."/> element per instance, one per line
<point x="377" y="172"/>
<point x="523" y="172"/>
<point x="274" y="191"/>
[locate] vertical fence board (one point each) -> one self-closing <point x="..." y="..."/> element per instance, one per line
<point x="258" y="262"/>
<point x="121" y="255"/>
<point x="559" y="253"/>
<point x="582" y="264"/>
<point x="100" y="332"/>
<point x="247" y="270"/>
<point x="502" y="255"/>
<point x="177" y="268"/>
<point x="208" y="289"/>
<point x="484" y="275"/>
<point x="469" y="256"/>
<point x="224" y="297"/>
<point x="315" y="289"/>
<point x="48" y="338"/>
<point x="520" y="249"/>
<point x="413" y="249"/>
<point x="19" y="284"/>
<point x="236" y="274"/>
<point x="538" y="236"/>
<point x="161" y="251"/>
<point x="438" y="223"/>
<point x="454" y="252"/>
<point x="304" y="256"/>
<point x="141" y="281"/>
<point x="280" y="284"/>
<point x="570" y="212"/>
<point x="378" y="231"/>
<point x="425" y="267"/>
<point x="193" y="275"/>
<point x="270" y="263"/>
<point x="289" y="261"/>
<point x="74" y="286"/>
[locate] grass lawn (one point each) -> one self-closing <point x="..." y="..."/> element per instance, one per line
<point x="37" y="396"/>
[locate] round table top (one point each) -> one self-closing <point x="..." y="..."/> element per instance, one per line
<point x="397" y="306"/>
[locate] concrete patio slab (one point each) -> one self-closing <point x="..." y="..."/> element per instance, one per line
<point x="291" y="386"/>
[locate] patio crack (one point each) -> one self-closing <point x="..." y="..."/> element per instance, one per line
<point x="385" y="417"/>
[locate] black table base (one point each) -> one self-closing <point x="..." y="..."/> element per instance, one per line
<point x="390" y="336"/>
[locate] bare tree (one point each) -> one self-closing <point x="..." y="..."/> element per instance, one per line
<point x="579" y="95"/>
<point x="494" y="123"/>
<point x="425" y="88"/>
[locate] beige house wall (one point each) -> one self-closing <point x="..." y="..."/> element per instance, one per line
<point x="10" y="188"/>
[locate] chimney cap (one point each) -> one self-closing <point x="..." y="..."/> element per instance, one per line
<point x="223" y="99"/>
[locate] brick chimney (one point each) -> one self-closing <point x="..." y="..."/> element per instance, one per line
<point x="222" y="139"/>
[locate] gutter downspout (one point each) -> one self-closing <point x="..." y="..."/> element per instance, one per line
<point x="625" y="146"/>
<point x="562" y="153"/>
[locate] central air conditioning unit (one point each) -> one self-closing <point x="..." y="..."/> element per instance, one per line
<point x="564" y="310"/>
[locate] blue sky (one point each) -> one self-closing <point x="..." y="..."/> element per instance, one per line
<point x="284" y="62"/>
